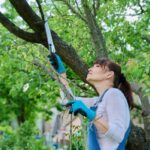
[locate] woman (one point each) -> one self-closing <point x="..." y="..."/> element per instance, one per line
<point x="109" y="113"/>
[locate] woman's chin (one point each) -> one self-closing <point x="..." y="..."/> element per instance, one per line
<point x="89" y="80"/>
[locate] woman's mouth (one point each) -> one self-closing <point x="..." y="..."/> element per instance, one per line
<point x="90" y="73"/>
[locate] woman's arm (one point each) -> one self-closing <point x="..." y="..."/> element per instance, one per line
<point x="63" y="79"/>
<point x="101" y="124"/>
<point x="86" y="100"/>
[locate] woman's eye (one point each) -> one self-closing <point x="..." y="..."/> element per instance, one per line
<point x="97" y="65"/>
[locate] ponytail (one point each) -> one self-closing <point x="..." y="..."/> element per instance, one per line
<point x="125" y="87"/>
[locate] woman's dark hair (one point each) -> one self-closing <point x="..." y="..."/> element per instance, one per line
<point x="120" y="81"/>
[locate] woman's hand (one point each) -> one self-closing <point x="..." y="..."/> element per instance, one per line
<point x="77" y="106"/>
<point x="57" y="63"/>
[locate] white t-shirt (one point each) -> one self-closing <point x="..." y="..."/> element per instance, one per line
<point x="114" y="109"/>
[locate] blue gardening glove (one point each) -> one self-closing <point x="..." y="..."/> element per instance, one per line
<point x="57" y="63"/>
<point x="78" y="106"/>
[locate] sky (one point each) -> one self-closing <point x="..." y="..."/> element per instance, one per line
<point x="2" y="9"/>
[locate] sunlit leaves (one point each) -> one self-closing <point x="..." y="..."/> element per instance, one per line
<point x="23" y="86"/>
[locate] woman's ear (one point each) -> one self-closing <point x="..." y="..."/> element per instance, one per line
<point x="110" y="74"/>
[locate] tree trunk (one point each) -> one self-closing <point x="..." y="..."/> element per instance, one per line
<point x="145" y="109"/>
<point x="95" y="32"/>
<point x="136" y="139"/>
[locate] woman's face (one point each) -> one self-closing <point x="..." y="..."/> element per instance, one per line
<point x="97" y="73"/>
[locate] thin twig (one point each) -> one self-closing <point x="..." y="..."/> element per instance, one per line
<point x="94" y="7"/>
<point x="56" y="8"/>
<point x="78" y="7"/>
<point x="74" y="11"/>
<point x="141" y="8"/>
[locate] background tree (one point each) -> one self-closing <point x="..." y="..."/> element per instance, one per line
<point x="89" y="26"/>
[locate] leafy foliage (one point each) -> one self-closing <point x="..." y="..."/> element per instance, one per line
<point x="25" y="138"/>
<point x="23" y="86"/>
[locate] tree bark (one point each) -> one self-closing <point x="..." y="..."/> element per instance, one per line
<point x="139" y="138"/>
<point x="29" y="37"/>
<point x="28" y="15"/>
<point x="90" y="20"/>
<point x="145" y="109"/>
<point x="95" y="32"/>
<point x="67" y="52"/>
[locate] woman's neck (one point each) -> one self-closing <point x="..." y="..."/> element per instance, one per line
<point x="102" y="87"/>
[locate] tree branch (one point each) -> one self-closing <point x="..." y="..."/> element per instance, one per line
<point x="74" y="11"/>
<point x="28" y="15"/>
<point x="95" y="31"/>
<point x="97" y="4"/>
<point x="94" y="7"/>
<point x="56" y="8"/>
<point x="54" y="75"/>
<point x="67" y="52"/>
<point x="132" y="15"/>
<point x="141" y="8"/>
<point x="70" y="57"/>
<point x="30" y="37"/>
<point x="78" y="7"/>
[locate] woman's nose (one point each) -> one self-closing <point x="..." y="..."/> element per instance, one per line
<point x="89" y="69"/>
